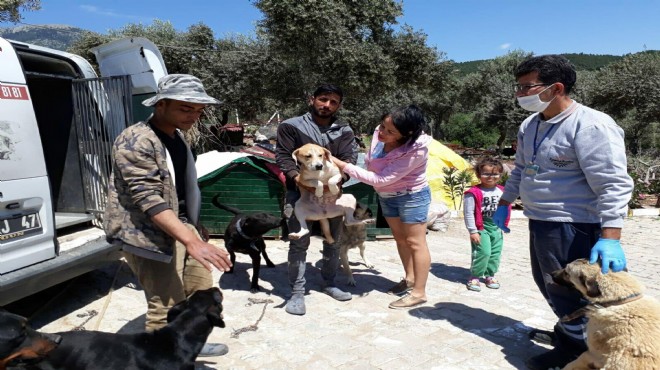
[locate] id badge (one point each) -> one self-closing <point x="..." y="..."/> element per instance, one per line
<point x="531" y="169"/>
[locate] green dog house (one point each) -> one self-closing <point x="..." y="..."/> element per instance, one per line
<point x="245" y="183"/>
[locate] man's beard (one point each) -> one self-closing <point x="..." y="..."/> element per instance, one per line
<point x="325" y="114"/>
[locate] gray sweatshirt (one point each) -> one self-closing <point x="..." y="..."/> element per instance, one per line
<point x="582" y="175"/>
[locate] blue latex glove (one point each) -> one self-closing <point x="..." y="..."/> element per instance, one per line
<point x="500" y="216"/>
<point x="610" y="253"/>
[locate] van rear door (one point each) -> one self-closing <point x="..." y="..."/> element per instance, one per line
<point x="138" y="58"/>
<point x="27" y="220"/>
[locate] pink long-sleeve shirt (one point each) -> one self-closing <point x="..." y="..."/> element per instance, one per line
<point x="402" y="169"/>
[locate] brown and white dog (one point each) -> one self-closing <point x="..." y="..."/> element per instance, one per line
<point x="317" y="171"/>
<point x="624" y="325"/>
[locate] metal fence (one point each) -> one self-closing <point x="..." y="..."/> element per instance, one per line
<point x="102" y="109"/>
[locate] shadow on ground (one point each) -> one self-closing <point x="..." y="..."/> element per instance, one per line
<point x="453" y="274"/>
<point x="63" y="299"/>
<point x="511" y="335"/>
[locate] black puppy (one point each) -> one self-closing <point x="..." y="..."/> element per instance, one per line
<point x="245" y="234"/>
<point x="20" y="344"/>
<point x="174" y="346"/>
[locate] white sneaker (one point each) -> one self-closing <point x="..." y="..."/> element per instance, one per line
<point x="213" y="350"/>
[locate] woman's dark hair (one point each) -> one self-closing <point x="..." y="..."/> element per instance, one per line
<point x="409" y="121"/>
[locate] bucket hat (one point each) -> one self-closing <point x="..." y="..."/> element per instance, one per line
<point x="181" y="87"/>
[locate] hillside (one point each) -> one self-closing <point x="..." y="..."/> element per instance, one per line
<point x="582" y="62"/>
<point x="53" y="36"/>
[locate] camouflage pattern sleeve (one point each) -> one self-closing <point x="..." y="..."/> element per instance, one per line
<point x="137" y="161"/>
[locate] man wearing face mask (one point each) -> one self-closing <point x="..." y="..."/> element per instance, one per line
<point x="571" y="174"/>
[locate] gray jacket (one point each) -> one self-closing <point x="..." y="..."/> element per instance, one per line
<point x="582" y="175"/>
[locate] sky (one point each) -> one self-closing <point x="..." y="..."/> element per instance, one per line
<point x="463" y="30"/>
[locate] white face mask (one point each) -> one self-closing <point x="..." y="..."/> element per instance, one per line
<point x="533" y="103"/>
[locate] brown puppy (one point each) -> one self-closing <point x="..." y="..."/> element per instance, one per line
<point x="624" y="325"/>
<point x="354" y="236"/>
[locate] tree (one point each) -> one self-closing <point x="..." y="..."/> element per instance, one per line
<point x="353" y="44"/>
<point x="489" y="94"/>
<point x="629" y="90"/>
<point x="10" y="10"/>
<point x="462" y="128"/>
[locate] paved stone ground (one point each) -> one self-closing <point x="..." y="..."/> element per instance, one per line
<point x="456" y="329"/>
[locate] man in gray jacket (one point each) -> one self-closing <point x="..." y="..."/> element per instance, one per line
<point x="154" y="203"/>
<point x="319" y="126"/>
<point x="571" y="174"/>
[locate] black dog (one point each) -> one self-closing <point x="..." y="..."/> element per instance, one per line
<point x="245" y="234"/>
<point x="20" y="344"/>
<point x="174" y="346"/>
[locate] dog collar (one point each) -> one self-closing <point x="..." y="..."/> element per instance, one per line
<point x="597" y="306"/>
<point x="242" y="234"/>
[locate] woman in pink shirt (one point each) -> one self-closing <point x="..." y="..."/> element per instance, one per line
<point x="396" y="168"/>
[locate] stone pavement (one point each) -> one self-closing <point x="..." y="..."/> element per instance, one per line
<point x="456" y="329"/>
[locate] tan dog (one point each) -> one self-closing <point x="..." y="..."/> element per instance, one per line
<point x="317" y="170"/>
<point x="624" y="325"/>
<point x="354" y="237"/>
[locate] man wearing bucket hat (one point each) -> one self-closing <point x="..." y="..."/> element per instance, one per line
<point x="154" y="203"/>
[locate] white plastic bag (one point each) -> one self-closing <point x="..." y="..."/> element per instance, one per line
<point x="438" y="218"/>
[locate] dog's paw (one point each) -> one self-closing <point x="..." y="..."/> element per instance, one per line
<point x="351" y="281"/>
<point x="334" y="190"/>
<point x="255" y="290"/>
<point x="294" y="236"/>
<point x="270" y="264"/>
<point x="288" y="211"/>
<point x="369" y="265"/>
<point x="369" y="221"/>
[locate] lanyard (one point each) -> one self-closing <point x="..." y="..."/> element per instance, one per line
<point x="537" y="146"/>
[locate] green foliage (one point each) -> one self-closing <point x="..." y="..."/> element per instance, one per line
<point x="10" y="10"/>
<point x="488" y="93"/>
<point x="591" y="62"/>
<point x="355" y="44"/>
<point x="639" y="188"/>
<point x="455" y="183"/>
<point x="641" y="168"/>
<point x="464" y="129"/>
<point x="581" y="61"/>
<point x="629" y="90"/>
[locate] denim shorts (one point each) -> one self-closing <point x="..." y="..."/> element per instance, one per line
<point x="412" y="208"/>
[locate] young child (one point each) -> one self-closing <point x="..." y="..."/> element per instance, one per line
<point x="480" y="204"/>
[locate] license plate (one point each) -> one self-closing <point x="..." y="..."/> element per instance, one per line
<point x="19" y="227"/>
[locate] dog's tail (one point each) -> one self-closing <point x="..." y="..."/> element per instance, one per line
<point x="225" y="207"/>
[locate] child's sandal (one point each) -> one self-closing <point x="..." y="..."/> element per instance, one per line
<point x="492" y="283"/>
<point x="474" y="285"/>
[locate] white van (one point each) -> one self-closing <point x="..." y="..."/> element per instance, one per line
<point x="57" y="124"/>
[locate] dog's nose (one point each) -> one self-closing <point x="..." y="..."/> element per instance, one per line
<point x="319" y="167"/>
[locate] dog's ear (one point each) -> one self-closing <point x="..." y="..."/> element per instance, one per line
<point x="176" y="310"/>
<point x="295" y="156"/>
<point x="327" y="154"/>
<point x="215" y="313"/>
<point x="591" y="285"/>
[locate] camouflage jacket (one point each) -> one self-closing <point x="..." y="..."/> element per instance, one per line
<point x="142" y="184"/>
